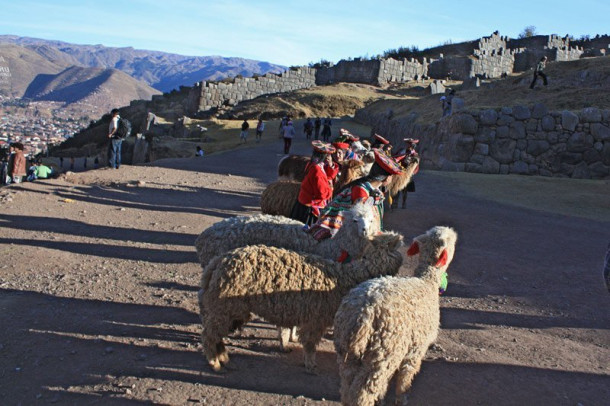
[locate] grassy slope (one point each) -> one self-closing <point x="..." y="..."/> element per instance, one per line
<point x="572" y="86"/>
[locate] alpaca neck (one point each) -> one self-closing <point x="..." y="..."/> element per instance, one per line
<point x="430" y="274"/>
<point x="382" y="263"/>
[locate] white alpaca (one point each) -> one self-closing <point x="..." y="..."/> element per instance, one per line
<point x="384" y="326"/>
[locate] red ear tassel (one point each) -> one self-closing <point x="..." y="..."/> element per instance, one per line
<point x="413" y="249"/>
<point x="442" y="259"/>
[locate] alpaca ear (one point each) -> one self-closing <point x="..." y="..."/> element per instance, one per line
<point x="413" y="249"/>
<point x="442" y="259"/>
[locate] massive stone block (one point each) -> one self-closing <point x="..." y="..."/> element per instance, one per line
<point x="488" y="117"/>
<point x="517" y="130"/>
<point x="502" y="150"/>
<point x="547" y="123"/>
<point x="520" y="168"/>
<point x="600" y="132"/>
<point x="539" y="110"/>
<point x="460" y="148"/>
<point x="463" y="123"/>
<point x="591" y="115"/>
<point x="569" y="120"/>
<point x="581" y="171"/>
<point x="537" y="147"/>
<point x="598" y="170"/>
<point x="580" y="142"/>
<point x="521" y="112"/>
<point x="490" y="165"/>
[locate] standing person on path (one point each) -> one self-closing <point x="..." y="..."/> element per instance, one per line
<point x="317" y="125"/>
<point x="260" y="127"/>
<point x="316" y="188"/>
<point x="283" y="122"/>
<point x="539" y="72"/>
<point x="16" y="167"/>
<point x="72" y="163"/>
<point x="289" y="133"/>
<point x="447" y="103"/>
<point x="326" y="133"/>
<point x="61" y="162"/>
<point x="114" y="160"/>
<point x="244" y="130"/>
<point x="308" y="128"/>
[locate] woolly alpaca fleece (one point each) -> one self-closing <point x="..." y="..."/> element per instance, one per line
<point x="279" y="197"/>
<point x="407" y="308"/>
<point x="283" y="232"/>
<point x="292" y="167"/>
<point x="286" y="288"/>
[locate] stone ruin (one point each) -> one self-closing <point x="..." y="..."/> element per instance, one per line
<point x="494" y="56"/>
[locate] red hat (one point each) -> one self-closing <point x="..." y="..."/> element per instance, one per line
<point x="400" y="157"/>
<point x="387" y="163"/>
<point x="381" y="139"/>
<point x="341" y="145"/>
<point x="349" y="136"/>
<point x="322" y="147"/>
<point x="411" y="140"/>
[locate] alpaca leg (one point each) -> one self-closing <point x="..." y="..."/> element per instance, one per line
<point x="283" y="334"/>
<point x="310" y="339"/>
<point x="223" y="354"/>
<point x="294" y="336"/>
<point x="404" y="199"/>
<point x="404" y="379"/>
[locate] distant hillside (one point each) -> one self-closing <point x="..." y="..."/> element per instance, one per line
<point x="24" y="64"/>
<point x="100" y="87"/>
<point x="163" y="71"/>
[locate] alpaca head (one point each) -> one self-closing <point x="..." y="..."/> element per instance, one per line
<point x="435" y="248"/>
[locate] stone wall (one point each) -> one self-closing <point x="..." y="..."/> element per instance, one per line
<point x="493" y="57"/>
<point x="357" y="71"/>
<point x="400" y="71"/>
<point x="518" y="140"/>
<point x="216" y="94"/>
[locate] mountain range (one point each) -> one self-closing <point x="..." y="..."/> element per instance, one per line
<point x="55" y="70"/>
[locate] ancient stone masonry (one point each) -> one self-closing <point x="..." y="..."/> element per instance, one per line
<point x="209" y="95"/>
<point x="492" y="57"/>
<point x="527" y="140"/>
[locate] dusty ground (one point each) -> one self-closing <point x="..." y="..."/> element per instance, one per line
<point x="99" y="276"/>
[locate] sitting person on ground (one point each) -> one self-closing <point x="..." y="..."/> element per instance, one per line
<point x="199" y="151"/>
<point x="316" y="188"/>
<point x="39" y="171"/>
<point x="365" y="189"/>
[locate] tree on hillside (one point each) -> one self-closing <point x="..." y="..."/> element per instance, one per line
<point x="528" y="31"/>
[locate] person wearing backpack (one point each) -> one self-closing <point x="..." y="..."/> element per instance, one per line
<point x="114" y="161"/>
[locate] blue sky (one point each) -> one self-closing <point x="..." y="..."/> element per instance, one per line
<point x="292" y="32"/>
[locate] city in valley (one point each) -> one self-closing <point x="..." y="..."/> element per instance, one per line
<point x="41" y="124"/>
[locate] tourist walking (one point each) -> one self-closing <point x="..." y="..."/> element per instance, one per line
<point x="244" y="131"/>
<point x="539" y="71"/>
<point x="260" y="127"/>
<point x="289" y="133"/>
<point x="115" y="140"/>
<point x="447" y="103"/>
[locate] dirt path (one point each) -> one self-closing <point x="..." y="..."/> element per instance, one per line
<point x="99" y="278"/>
